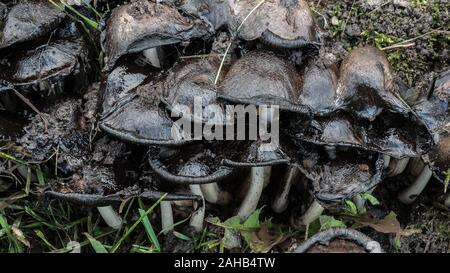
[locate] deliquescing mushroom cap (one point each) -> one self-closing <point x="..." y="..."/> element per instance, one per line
<point x="27" y="20"/>
<point x="433" y="108"/>
<point x="342" y="178"/>
<point x="142" y="25"/>
<point x="48" y="62"/>
<point x="285" y="23"/>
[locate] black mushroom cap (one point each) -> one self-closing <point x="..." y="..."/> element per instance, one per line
<point x="318" y="90"/>
<point x="280" y="23"/>
<point x="97" y="200"/>
<point x="360" y="108"/>
<point x="217" y="14"/>
<point x="339" y="240"/>
<point x="44" y="65"/>
<point x="142" y="25"/>
<point x="433" y="109"/>
<point x="194" y="163"/>
<point x="392" y="135"/>
<point x="366" y="85"/>
<point x="351" y="173"/>
<point x="262" y="78"/>
<point x="256" y="153"/>
<point x="27" y="20"/>
<point x="132" y="110"/>
<point x="191" y="81"/>
<point x="212" y="161"/>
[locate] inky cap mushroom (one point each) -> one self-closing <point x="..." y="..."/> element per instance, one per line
<point x="27" y="20"/>
<point x="367" y="86"/>
<point x="45" y="66"/>
<point x="135" y="115"/>
<point x="344" y="177"/>
<point x="191" y="164"/>
<point x="279" y="23"/>
<point x="433" y="109"/>
<point x="142" y="25"/>
<point x="261" y="78"/>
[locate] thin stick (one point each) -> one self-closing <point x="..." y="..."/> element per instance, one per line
<point x="28" y="102"/>
<point x="229" y="45"/>
<point x="202" y="56"/>
<point x="221" y="63"/>
<point x="324" y="19"/>
<point x="415" y="38"/>
<point x="398" y="46"/>
<point x="250" y="13"/>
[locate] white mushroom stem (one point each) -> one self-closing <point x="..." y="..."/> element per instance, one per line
<point x="331" y="152"/>
<point x="447" y="201"/>
<point x="166" y="216"/>
<point x="74" y="247"/>
<point x="111" y="217"/>
<point x="386" y="160"/>
<point x="199" y="215"/>
<point x="258" y="176"/>
<point x="415" y="166"/>
<point x="214" y="194"/>
<point x="410" y="194"/>
<point x="152" y="56"/>
<point x="280" y="202"/>
<point x="397" y="166"/>
<point x="312" y="213"/>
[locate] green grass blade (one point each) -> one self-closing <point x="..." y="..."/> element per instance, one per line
<point x="9" y="157"/>
<point x="85" y="19"/>
<point x="96" y="245"/>
<point x="182" y="236"/>
<point x="41" y="235"/>
<point x="40" y="176"/>
<point x="150" y="231"/>
<point x="7" y="229"/>
<point x="133" y="227"/>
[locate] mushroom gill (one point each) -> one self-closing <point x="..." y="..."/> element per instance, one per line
<point x="333" y="181"/>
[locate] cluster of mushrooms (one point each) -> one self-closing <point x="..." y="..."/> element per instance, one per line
<point x="343" y="124"/>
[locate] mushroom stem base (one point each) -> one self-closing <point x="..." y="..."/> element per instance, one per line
<point x="258" y="177"/>
<point x="166" y="216"/>
<point x="312" y="213"/>
<point x="410" y="194"/>
<point x="111" y="217"/>
<point x="397" y="166"/>
<point x="198" y="216"/>
<point x="281" y="202"/>
<point x="214" y="194"/>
